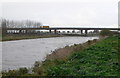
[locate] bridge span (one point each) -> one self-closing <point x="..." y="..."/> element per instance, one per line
<point x="55" y="29"/>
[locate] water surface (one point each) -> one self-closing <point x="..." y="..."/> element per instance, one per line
<point x="23" y="53"/>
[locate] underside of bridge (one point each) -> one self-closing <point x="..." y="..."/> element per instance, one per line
<point x="82" y="31"/>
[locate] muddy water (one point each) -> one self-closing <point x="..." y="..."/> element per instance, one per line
<point x="23" y="53"/>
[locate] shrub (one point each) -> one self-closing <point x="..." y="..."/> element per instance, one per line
<point x="23" y="71"/>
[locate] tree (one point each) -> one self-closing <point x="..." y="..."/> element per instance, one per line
<point x="3" y="24"/>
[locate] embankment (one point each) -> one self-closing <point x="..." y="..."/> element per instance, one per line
<point x="21" y="37"/>
<point x="100" y="59"/>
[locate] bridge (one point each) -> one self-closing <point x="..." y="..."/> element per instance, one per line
<point x="55" y="29"/>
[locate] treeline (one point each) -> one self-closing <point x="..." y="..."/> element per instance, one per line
<point x="5" y="23"/>
<point x="108" y="33"/>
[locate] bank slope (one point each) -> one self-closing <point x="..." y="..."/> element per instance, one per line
<point x="100" y="59"/>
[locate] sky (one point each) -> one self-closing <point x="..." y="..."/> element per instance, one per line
<point x="99" y="13"/>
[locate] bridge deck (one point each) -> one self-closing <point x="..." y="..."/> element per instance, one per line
<point x="63" y="28"/>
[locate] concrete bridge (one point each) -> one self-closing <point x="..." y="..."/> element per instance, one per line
<point x="55" y="29"/>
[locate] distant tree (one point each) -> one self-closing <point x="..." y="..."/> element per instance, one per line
<point x="38" y="24"/>
<point x="19" y="24"/>
<point x="3" y="24"/>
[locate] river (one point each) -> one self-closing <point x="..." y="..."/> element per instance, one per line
<point x="23" y="53"/>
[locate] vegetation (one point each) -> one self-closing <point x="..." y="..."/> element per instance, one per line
<point x="20" y="37"/>
<point x="5" y="23"/>
<point x="106" y="33"/>
<point x="100" y="59"/>
<point x="19" y="72"/>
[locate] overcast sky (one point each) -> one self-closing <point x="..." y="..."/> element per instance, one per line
<point x="62" y="12"/>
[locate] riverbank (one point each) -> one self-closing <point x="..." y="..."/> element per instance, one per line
<point x="61" y="56"/>
<point x="33" y="36"/>
<point x="21" y="37"/>
<point x="100" y="59"/>
<point x="93" y="58"/>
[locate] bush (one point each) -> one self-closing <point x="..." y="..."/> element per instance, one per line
<point x="23" y="71"/>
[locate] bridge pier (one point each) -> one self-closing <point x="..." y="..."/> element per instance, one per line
<point x="24" y="31"/>
<point x="81" y="31"/>
<point x="73" y="31"/>
<point x="86" y="32"/>
<point x="20" y="31"/>
<point x="55" y="31"/>
<point x="50" y="31"/>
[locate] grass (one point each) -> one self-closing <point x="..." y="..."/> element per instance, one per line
<point x="100" y="59"/>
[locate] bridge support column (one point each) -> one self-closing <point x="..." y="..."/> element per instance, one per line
<point x="73" y="31"/>
<point x="55" y="31"/>
<point x="86" y="32"/>
<point x="81" y="31"/>
<point x="26" y="31"/>
<point x="50" y="31"/>
<point x="20" y="31"/>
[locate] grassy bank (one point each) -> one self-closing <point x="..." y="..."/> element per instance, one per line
<point x="100" y="59"/>
<point x="21" y="37"/>
<point x="88" y="59"/>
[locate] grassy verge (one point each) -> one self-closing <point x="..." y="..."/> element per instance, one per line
<point x="21" y="37"/>
<point x="99" y="59"/>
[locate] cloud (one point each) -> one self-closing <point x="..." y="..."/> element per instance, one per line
<point x="59" y="0"/>
<point x="64" y="13"/>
